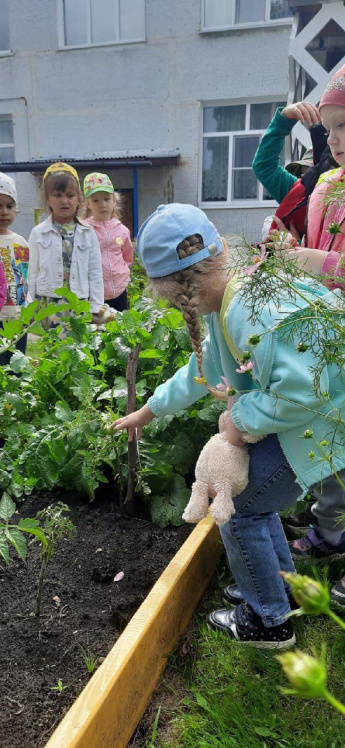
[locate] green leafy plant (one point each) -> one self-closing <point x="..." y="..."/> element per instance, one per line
<point x="14" y="534"/>
<point x="56" y="525"/>
<point x="89" y="660"/>
<point x="59" y="688"/>
<point x="55" y="414"/>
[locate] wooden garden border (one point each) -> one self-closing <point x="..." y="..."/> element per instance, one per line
<point x="108" y="710"/>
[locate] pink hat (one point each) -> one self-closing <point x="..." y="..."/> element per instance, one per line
<point x="334" y="92"/>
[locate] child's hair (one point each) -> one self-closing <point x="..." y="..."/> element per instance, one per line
<point x="86" y="212"/>
<point x="184" y="290"/>
<point x="60" y="181"/>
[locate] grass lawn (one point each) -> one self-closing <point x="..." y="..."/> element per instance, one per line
<point x="217" y="694"/>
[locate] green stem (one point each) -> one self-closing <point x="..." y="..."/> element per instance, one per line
<point x="334" y="702"/>
<point x="164" y="360"/>
<point x="46" y="381"/>
<point x="40" y="584"/>
<point x="337" y="620"/>
<point x="329" y="460"/>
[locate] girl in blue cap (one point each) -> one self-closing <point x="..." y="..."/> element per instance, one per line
<point x="188" y="263"/>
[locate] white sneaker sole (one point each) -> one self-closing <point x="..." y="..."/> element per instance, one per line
<point x="264" y="644"/>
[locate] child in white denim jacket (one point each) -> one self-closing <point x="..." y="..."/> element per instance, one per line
<point x="64" y="251"/>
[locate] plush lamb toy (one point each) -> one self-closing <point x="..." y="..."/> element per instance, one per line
<point x="221" y="471"/>
<point x="105" y="314"/>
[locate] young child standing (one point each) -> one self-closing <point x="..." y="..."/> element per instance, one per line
<point x="324" y="255"/>
<point x="14" y="259"/>
<point x="188" y="263"/>
<point x="114" y="238"/>
<point x="64" y="251"/>
<point x="323" y="251"/>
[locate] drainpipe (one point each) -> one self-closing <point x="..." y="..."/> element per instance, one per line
<point x="135" y="202"/>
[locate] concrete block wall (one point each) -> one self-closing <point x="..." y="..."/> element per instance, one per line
<point x="97" y="100"/>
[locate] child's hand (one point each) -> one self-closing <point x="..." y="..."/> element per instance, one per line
<point x="292" y="228"/>
<point x="281" y="240"/>
<point x="303" y="111"/>
<point x="234" y="435"/>
<point x="134" y="422"/>
<point x="310" y="260"/>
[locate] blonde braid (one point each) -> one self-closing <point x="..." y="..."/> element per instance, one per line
<point x="189" y="305"/>
<point x="183" y="290"/>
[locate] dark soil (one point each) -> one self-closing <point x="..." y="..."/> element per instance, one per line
<point x="82" y="606"/>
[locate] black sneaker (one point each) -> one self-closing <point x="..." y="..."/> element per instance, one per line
<point x="243" y="625"/>
<point x="313" y="545"/>
<point x="303" y="520"/>
<point x="338" y="592"/>
<point x="232" y="596"/>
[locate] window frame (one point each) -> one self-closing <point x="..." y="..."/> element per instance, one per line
<point x="6" y="51"/>
<point x="89" y="44"/>
<point x="246" y="24"/>
<point x="7" y="118"/>
<point x="258" y="202"/>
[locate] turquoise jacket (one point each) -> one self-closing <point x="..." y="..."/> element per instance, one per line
<point x="281" y="398"/>
<point x="266" y="164"/>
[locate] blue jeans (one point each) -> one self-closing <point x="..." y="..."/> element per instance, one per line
<point x="254" y="538"/>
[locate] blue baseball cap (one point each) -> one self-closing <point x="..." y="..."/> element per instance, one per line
<point x="165" y="229"/>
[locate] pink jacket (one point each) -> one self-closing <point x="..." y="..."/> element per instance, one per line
<point x="117" y="255"/>
<point x="3" y="285"/>
<point x="317" y="236"/>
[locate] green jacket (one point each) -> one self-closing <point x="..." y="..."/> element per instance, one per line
<point x="266" y="164"/>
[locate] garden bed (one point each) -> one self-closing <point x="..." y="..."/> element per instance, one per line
<point x="82" y="607"/>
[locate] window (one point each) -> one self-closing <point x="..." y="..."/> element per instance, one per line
<point x="89" y="22"/>
<point x="6" y="139"/>
<point x="4" y="27"/>
<point x="231" y="135"/>
<point x="223" y="14"/>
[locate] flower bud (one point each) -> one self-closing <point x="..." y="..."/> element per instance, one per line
<point x="308" y="434"/>
<point x="254" y="339"/>
<point x="306" y="674"/>
<point x="334" y="228"/>
<point x="311" y="455"/>
<point x="302" y="347"/>
<point x="312" y="596"/>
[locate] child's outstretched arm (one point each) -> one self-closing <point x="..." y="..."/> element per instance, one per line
<point x="266" y="165"/>
<point x="308" y="259"/>
<point x="134" y="422"/>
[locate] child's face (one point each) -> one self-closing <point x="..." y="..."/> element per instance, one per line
<point x="333" y="119"/>
<point x="101" y="205"/>
<point x="63" y="204"/>
<point x="7" y="213"/>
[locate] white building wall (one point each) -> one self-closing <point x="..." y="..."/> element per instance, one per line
<point x="96" y="100"/>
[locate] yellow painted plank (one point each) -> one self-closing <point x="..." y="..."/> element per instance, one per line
<point x="107" y="712"/>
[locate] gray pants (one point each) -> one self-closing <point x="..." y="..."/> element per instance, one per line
<point x="330" y="502"/>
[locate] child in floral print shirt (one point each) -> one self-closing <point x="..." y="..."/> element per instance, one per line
<point x="14" y="259"/>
